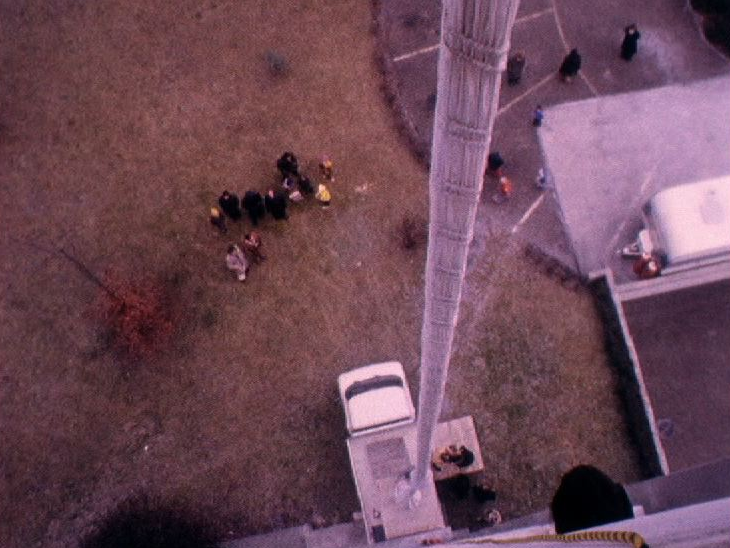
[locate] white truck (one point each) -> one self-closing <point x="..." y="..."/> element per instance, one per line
<point x="687" y="225"/>
<point x="381" y="423"/>
<point x="376" y="397"/>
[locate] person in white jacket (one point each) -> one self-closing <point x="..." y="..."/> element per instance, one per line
<point x="236" y="260"/>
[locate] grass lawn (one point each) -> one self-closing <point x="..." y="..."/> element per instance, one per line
<point x="120" y="123"/>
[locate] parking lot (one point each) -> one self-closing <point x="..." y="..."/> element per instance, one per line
<point x="606" y="154"/>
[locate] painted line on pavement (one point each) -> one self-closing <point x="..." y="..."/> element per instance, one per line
<point x="559" y="26"/>
<point x="532" y="16"/>
<point x="567" y="47"/>
<point x="429" y="49"/>
<point x="519" y="98"/>
<point x="415" y="53"/>
<point x="528" y="213"/>
<point x="589" y="84"/>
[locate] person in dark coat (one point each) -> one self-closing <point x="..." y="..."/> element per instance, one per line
<point x="305" y="185"/>
<point x="253" y="203"/>
<point x="586" y="497"/>
<point x="630" y="42"/>
<point x="483" y="493"/>
<point x="570" y="66"/>
<point x="495" y="163"/>
<point x="276" y="204"/>
<point x="515" y="66"/>
<point x="230" y="204"/>
<point x="288" y="165"/>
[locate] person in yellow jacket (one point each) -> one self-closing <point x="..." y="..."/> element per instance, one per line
<point x="323" y="195"/>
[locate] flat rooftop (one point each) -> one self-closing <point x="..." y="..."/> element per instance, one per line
<point x="607" y="156"/>
<point x="682" y="339"/>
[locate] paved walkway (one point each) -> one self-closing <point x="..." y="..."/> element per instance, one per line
<point x="671" y="50"/>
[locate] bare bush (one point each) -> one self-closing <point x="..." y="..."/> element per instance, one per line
<point x="412" y="231"/>
<point x="140" y="315"/>
<point x="277" y="63"/>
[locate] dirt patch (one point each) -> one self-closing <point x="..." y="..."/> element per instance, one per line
<point x="120" y="125"/>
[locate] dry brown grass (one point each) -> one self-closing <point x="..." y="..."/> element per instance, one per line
<point x="121" y="123"/>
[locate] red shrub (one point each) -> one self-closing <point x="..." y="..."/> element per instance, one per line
<point x="139" y="315"/>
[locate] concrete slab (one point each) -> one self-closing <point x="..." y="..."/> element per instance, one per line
<point x="292" y="537"/>
<point x="608" y="155"/>
<point x="342" y="535"/>
<point x="693" y="486"/>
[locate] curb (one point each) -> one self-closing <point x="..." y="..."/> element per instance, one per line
<point x="623" y="356"/>
<point x="420" y="147"/>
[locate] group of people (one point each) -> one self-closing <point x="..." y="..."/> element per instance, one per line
<point x="459" y="458"/>
<point x="568" y="70"/>
<point x="629" y="46"/>
<point x="295" y="187"/>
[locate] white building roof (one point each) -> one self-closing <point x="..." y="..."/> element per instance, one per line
<point x="692" y="220"/>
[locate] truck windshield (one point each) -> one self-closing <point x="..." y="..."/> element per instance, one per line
<point x="379" y="381"/>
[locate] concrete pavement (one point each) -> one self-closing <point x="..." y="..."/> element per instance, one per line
<point x="671" y="51"/>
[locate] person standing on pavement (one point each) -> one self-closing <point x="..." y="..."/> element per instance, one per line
<point x="495" y="163"/>
<point x="515" y="66"/>
<point x="570" y="66"/>
<point x="541" y="179"/>
<point x="230" y="204"/>
<point x="504" y="190"/>
<point x="505" y="187"/>
<point x="630" y="43"/>
<point x="538" y="116"/>
<point x="275" y="203"/>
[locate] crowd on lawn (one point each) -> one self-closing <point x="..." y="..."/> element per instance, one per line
<point x="296" y="187"/>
